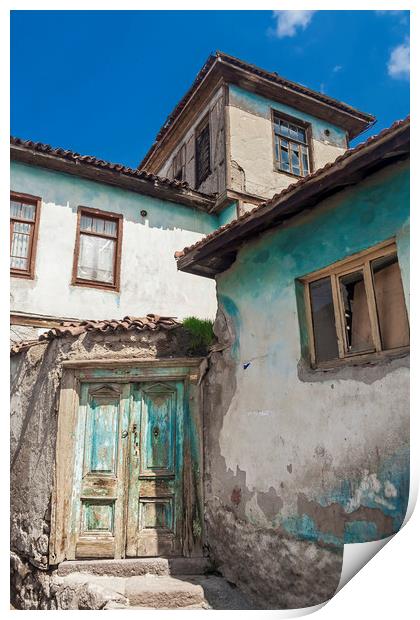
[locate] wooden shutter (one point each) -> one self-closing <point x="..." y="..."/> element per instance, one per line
<point x="202" y="154"/>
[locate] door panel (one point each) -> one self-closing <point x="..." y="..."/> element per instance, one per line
<point x="98" y="506"/>
<point x="102" y="433"/>
<point x="158" y="431"/>
<point x="155" y="489"/>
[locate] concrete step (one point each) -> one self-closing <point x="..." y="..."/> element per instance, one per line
<point x="136" y="567"/>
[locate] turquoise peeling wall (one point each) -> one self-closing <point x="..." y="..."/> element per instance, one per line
<point x="228" y="214"/>
<point x="333" y="446"/>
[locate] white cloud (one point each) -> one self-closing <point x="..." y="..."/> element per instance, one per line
<point x="399" y="61"/>
<point x="402" y="15"/>
<point x="289" y="21"/>
<point x="337" y="68"/>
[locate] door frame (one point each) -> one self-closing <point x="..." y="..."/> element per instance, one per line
<point x="75" y="372"/>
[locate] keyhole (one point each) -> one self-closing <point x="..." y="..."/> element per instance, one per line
<point x="155" y="432"/>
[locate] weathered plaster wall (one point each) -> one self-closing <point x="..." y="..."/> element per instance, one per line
<point x="250" y="143"/>
<point x="35" y="389"/>
<point x="228" y="214"/>
<point x="215" y="183"/>
<point x="150" y="281"/>
<point x="317" y="458"/>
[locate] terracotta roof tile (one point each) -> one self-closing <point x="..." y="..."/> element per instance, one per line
<point x="151" y="322"/>
<point x="291" y="188"/>
<point x="268" y="75"/>
<point x="100" y="163"/>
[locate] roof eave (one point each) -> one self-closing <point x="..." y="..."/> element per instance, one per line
<point x="218" y="66"/>
<point x="179" y="195"/>
<point x="219" y="252"/>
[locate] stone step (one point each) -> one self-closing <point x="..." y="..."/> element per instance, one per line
<point x="154" y="592"/>
<point x="88" y="591"/>
<point x="136" y="567"/>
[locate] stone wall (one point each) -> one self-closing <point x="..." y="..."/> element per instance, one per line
<point x="35" y="387"/>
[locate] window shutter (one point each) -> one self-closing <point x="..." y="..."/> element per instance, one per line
<point x="202" y="154"/>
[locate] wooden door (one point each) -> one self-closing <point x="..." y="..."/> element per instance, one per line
<point x="100" y="471"/>
<point x="154" y="519"/>
<point x="127" y="493"/>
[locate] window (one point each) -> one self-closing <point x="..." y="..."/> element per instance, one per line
<point x="202" y="153"/>
<point x="178" y="165"/>
<point x="24" y="219"/>
<point x="291" y="146"/>
<point x="356" y="307"/>
<point x="97" y="254"/>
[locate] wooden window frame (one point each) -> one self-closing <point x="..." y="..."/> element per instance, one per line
<point x="356" y="262"/>
<point x="106" y="215"/>
<point x="181" y="152"/>
<point x="29" y="273"/>
<point x="198" y="130"/>
<point x="309" y="143"/>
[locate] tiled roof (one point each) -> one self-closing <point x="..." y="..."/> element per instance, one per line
<point x="151" y="322"/>
<point x="267" y="75"/>
<point x="90" y="160"/>
<point x="277" y="198"/>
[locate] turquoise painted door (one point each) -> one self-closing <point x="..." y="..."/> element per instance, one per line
<point x="154" y="516"/>
<point x="100" y="471"/>
<point x="127" y="498"/>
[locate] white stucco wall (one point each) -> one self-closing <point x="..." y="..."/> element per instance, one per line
<point x="250" y="143"/>
<point x="150" y="281"/>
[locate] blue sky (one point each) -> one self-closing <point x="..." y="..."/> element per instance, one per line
<point x="103" y="82"/>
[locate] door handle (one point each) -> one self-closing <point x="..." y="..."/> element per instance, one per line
<point x="124" y="434"/>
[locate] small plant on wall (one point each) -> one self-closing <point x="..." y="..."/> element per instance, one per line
<point x="201" y="334"/>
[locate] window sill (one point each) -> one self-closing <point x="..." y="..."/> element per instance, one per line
<point x="22" y="274"/>
<point x="291" y="174"/>
<point x="359" y="360"/>
<point x="112" y="288"/>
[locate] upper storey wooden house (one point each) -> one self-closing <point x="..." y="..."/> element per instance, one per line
<point x="243" y="133"/>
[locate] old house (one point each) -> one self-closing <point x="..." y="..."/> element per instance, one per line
<point x="306" y="399"/>
<point x="143" y="458"/>
<point x="94" y="240"/>
<point x="243" y="133"/>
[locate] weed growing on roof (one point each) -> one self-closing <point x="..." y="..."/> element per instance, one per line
<point x="201" y="334"/>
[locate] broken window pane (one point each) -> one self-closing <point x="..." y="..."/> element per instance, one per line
<point x="390" y="302"/>
<point x="305" y="161"/>
<point x="295" y="159"/>
<point x="284" y="163"/>
<point x="358" y="331"/>
<point x="323" y="320"/>
<point x="96" y="259"/>
<point x="284" y="128"/>
<point x="291" y="153"/>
